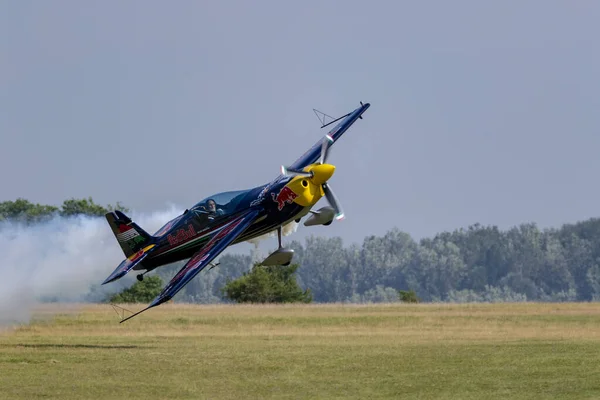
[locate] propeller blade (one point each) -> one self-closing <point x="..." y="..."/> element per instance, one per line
<point x="295" y="172"/>
<point x="325" y="149"/>
<point x="332" y="199"/>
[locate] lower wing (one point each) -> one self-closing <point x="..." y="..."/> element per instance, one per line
<point x="203" y="257"/>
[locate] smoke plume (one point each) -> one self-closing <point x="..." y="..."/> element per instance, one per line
<point x="286" y="230"/>
<point x="59" y="260"/>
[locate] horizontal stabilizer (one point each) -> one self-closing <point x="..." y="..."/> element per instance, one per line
<point x="128" y="264"/>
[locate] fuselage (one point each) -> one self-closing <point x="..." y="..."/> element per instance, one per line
<point x="184" y="235"/>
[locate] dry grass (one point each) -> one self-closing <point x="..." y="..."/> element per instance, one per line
<point x="306" y="351"/>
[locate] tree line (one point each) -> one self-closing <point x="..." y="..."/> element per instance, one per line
<point x="477" y="263"/>
<point x="23" y="211"/>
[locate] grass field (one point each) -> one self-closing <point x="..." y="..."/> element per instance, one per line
<point x="507" y="351"/>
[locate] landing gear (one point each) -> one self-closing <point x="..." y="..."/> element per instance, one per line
<point x="281" y="256"/>
<point x="140" y="277"/>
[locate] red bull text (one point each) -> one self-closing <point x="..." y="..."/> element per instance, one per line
<point x="181" y="235"/>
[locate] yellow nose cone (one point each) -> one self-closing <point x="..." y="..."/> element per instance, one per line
<point x="322" y="173"/>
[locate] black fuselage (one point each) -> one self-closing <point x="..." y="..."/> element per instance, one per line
<point x="191" y="231"/>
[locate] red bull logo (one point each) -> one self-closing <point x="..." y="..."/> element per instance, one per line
<point x="181" y="235"/>
<point x="285" y="195"/>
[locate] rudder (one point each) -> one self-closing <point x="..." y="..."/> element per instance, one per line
<point x="130" y="236"/>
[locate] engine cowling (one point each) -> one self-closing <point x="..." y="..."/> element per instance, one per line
<point x="323" y="216"/>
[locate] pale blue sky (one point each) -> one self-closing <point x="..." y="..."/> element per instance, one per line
<point x="481" y="112"/>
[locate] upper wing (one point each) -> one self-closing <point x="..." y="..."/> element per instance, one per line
<point x="313" y="154"/>
<point x="203" y="257"/>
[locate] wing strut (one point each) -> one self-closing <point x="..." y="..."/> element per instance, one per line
<point x="133" y="315"/>
<point x="322" y="117"/>
<point x="120" y="311"/>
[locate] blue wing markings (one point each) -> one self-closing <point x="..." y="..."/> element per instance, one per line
<point x="203" y="257"/>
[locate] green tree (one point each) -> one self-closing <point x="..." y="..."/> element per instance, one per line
<point x="24" y="211"/>
<point x="325" y="268"/>
<point x="267" y="284"/>
<point x="87" y="206"/>
<point x="408" y="296"/>
<point x="140" y="292"/>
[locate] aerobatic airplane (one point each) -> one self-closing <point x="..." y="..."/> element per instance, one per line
<point x="202" y="232"/>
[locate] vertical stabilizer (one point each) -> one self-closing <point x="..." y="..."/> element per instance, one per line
<point x="130" y="236"/>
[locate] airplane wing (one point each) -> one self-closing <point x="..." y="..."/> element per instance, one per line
<point x="203" y="257"/>
<point x="313" y="154"/>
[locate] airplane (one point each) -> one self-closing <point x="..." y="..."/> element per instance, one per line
<point x="221" y="220"/>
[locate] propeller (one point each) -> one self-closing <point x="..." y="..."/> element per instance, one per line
<point x="325" y="149"/>
<point x="331" y="197"/>
<point x="333" y="201"/>
<point x="295" y="172"/>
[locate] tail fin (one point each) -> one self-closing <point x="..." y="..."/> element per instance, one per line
<point x="130" y="236"/>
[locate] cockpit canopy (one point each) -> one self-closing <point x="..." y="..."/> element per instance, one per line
<point x="224" y="203"/>
<point x="205" y="213"/>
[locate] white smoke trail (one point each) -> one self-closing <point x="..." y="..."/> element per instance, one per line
<point x="286" y="230"/>
<point x="257" y="254"/>
<point x="60" y="259"/>
<point x="289" y="228"/>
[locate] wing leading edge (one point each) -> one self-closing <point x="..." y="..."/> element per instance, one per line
<point x="313" y="154"/>
<point x="203" y="257"/>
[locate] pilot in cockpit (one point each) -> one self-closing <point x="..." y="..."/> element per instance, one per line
<point x="211" y="207"/>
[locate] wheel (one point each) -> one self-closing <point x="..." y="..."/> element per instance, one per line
<point x="298" y="220"/>
<point x="287" y="263"/>
<point x="328" y="223"/>
<point x="140" y="277"/>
